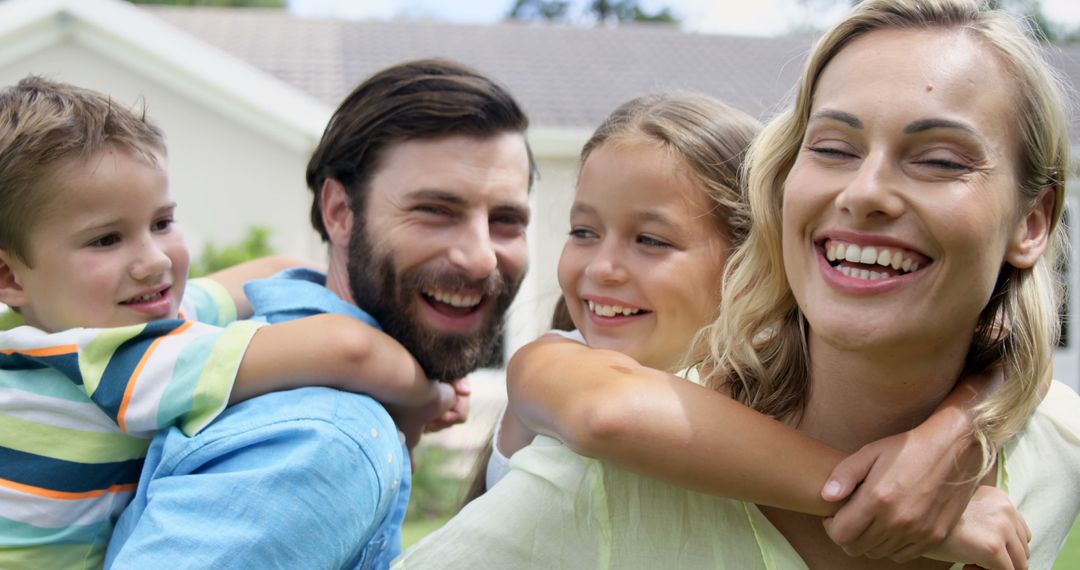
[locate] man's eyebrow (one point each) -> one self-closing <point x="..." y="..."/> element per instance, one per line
<point x="436" y="195"/>
<point x="846" y="118"/>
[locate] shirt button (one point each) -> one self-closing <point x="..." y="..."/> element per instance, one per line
<point x="389" y="457"/>
<point x="374" y="432"/>
<point x="394" y="485"/>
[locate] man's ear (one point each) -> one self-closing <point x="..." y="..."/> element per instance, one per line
<point x="336" y="211"/>
<point x="12" y="293"/>
<point x="1032" y="233"/>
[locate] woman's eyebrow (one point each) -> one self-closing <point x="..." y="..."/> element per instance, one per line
<point x="846" y="118"/>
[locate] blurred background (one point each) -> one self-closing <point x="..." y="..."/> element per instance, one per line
<point x="243" y="89"/>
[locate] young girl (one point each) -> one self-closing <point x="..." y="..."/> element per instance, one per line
<point x="655" y="215"/>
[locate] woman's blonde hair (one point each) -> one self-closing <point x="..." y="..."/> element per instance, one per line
<point x="758" y="348"/>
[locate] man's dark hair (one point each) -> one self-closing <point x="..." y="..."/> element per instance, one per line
<point x="420" y="99"/>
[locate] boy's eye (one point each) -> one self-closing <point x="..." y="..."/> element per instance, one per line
<point x="650" y="241"/>
<point x="105" y="240"/>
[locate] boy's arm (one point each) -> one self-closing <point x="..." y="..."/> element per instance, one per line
<point x="233" y="278"/>
<point x="334" y="351"/>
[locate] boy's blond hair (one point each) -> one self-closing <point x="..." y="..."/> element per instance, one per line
<point x="44" y="125"/>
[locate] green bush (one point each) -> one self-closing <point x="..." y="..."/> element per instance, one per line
<point x="255" y="245"/>
<point x="435" y="493"/>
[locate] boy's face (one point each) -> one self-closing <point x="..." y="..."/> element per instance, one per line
<point x="106" y="251"/>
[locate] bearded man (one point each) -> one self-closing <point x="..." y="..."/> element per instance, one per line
<point x="420" y="185"/>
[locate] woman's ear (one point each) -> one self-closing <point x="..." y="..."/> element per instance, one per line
<point x="336" y="211"/>
<point x="1032" y="233"/>
<point x="12" y="293"/>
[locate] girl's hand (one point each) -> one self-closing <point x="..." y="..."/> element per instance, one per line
<point x="991" y="534"/>
<point x="915" y="486"/>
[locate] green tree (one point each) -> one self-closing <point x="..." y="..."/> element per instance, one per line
<point x="255" y="244"/>
<point x="608" y="12"/>
<point x="227" y="3"/>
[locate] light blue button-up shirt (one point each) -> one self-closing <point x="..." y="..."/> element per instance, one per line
<point x="309" y="478"/>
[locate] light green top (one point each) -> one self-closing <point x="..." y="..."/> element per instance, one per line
<point x="557" y="509"/>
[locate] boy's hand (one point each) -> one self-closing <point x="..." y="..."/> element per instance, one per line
<point x="992" y="534"/>
<point x="458" y="411"/>
<point x="915" y="486"/>
<point x="412" y="420"/>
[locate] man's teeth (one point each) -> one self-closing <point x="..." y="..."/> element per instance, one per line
<point x="454" y="299"/>
<point x="611" y="310"/>
<point x="869" y="255"/>
<point x="145" y="298"/>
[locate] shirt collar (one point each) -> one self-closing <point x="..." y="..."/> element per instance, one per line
<point x="296" y="293"/>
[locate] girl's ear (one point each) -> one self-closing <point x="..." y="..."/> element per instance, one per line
<point x="336" y="212"/>
<point x="12" y="293"/>
<point x="1032" y="233"/>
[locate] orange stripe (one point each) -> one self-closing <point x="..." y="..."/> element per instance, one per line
<point x="47" y="351"/>
<point x="64" y="495"/>
<point x="138" y="369"/>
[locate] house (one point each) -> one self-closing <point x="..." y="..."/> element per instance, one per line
<point x="243" y="95"/>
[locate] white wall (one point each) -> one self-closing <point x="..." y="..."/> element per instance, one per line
<point x="224" y="176"/>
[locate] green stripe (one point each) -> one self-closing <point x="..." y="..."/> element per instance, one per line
<point x="68" y="557"/>
<point x="95" y="356"/>
<point x="224" y="308"/>
<point x="216" y="381"/>
<point x="69" y="444"/>
<point x="45" y="382"/>
<point x="176" y="398"/>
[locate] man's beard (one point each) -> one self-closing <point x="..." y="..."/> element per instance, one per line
<point x="378" y="289"/>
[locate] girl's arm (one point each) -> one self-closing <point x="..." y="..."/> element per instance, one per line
<point x="233" y="278"/>
<point x="604" y="404"/>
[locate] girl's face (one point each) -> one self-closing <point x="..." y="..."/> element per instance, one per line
<point x="903" y="202"/>
<point x="641" y="269"/>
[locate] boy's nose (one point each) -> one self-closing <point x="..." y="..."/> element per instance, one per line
<point x="150" y="262"/>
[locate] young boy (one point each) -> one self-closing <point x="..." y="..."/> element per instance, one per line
<point x="93" y="360"/>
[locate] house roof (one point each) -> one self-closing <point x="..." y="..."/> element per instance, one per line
<point x="135" y="39"/>
<point x="566" y="77"/>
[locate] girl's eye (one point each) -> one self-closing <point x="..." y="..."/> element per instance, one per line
<point x="582" y="233"/>
<point x="105" y="240"/>
<point x="650" y="241"/>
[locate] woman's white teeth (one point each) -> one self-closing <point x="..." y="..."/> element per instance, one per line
<point x="611" y="310"/>
<point x="454" y="299"/>
<point x="869" y="255"/>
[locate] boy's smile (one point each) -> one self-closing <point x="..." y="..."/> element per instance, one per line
<point x="107" y="252"/>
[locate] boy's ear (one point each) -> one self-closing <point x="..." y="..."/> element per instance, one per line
<point x="12" y="293"/>
<point x="336" y="212"/>
<point x="1032" y="232"/>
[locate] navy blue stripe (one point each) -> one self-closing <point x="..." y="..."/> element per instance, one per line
<point x="67" y="476"/>
<point x="114" y="381"/>
<point x="66" y="364"/>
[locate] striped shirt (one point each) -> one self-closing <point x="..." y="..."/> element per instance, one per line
<point x="78" y="409"/>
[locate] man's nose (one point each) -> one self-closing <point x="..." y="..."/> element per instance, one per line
<point x="474" y="251"/>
